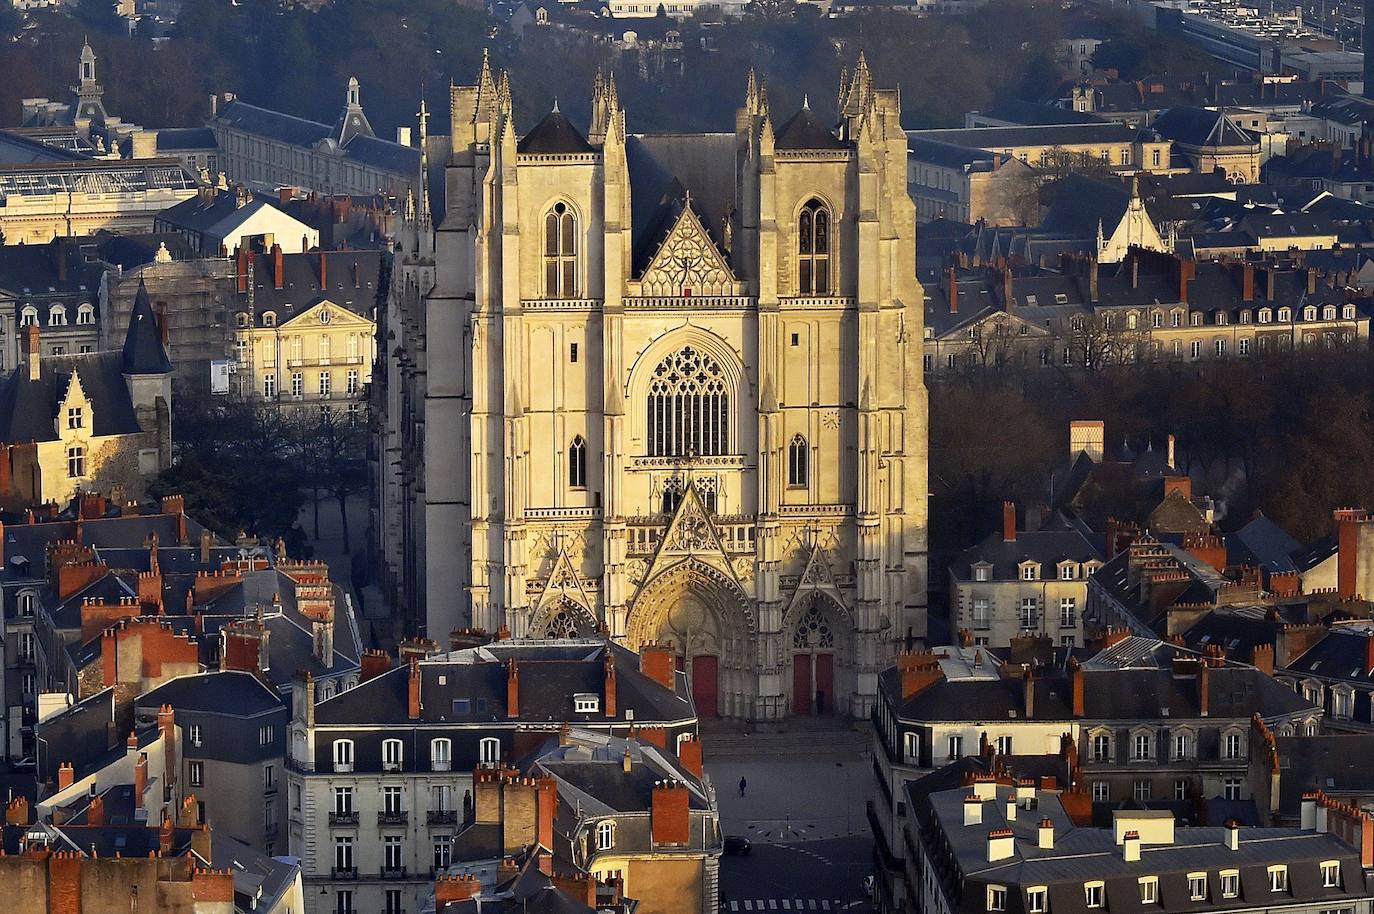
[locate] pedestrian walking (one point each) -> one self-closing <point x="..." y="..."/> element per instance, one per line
<point x="742" y="784"/>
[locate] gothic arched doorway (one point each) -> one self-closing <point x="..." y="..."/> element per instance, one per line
<point x="700" y="613"/>
<point x="819" y="648"/>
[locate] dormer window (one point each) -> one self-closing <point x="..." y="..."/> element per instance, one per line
<point x="586" y="703"/>
<point x="85" y="313"/>
<point x="1285" y="315"/>
<point x="1348" y="312"/>
<point x="76" y="417"/>
<point x="29" y="316"/>
<point x="57" y="316"/>
<point x="1309" y="313"/>
<point x="1195" y="318"/>
<point x="269" y="319"/>
<point x="982" y="572"/>
<point x="242" y="320"/>
<point x="1266" y="315"/>
<point x="1222" y="319"/>
<point x="1068" y="572"/>
<point x="1030" y="571"/>
<point x="1329" y="313"/>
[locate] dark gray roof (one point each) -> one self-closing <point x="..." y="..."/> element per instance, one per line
<point x="1048" y="547"/>
<point x="804" y="131"/>
<point x="1034" y="114"/>
<point x="554" y="135"/>
<point x="1200" y="127"/>
<point x="28" y="409"/>
<point x="1343" y="655"/>
<point x="143" y="350"/>
<point x="297" y="131"/>
<point x="949" y="155"/>
<point x="1263" y="544"/>
<point x="1042" y="135"/>
<point x="663" y="168"/>
<point x="181" y="139"/>
<point x="301" y="283"/>
<point x="550" y="674"/>
<point x="1335" y="763"/>
<point x="231" y="692"/>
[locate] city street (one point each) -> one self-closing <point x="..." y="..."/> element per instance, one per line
<point x="802" y="811"/>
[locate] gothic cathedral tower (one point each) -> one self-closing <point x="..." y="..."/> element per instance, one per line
<point x="673" y="392"/>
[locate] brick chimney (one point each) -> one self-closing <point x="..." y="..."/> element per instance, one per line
<point x="512" y="690"/>
<point x="669" y="813"/>
<point x="1076" y="686"/>
<point x="17" y="812"/>
<point x="656" y="662"/>
<point x="455" y="888"/>
<point x="1045" y="836"/>
<point x="690" y="755"/>
<point x="1247" y="283"/>
<point x="919" y="671"/>
<point x="241" y="268"/>
<point x="609" y="703"/>
<point x="413" y="703"/>
<point x="1204" y="690"/>
<point x="1028" y="689"/>
<point x="324" y="270"/>
<point x="95" y="812"/>
<point x="277" y="278"/>
<point x="1008" y="521"/>
<point x="165" y="834"/>
<point x="140" y="779"/>
<point x="375" y="662"/>
<point x="66" y="776"/>
<point x="1186" y="269"/>
<point x="1008" y="296"/>
<point x="547" y="804"/>
<point x="952" y="283"/>
<point x="31" y="351"/>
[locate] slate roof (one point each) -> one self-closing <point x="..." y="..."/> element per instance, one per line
<point x="1114" y="689"/>
<point x="1342" y="654"/>
<point x="1034" y="114"/>
<point x="1043" y="135"/>
<point x="1262" y="544"/>
<point x="143" y="352"/>
<point x="28" y="409"/>
<point x="301" y="290"/>
<point x="297" y="131"/>
<point x="185" y="139"/>
<point x="550" y="674"/>
<point x="231" y="692"/>
<point x="804" y="130"/>
<point x="1048" y="547"/>
<point x="1194" y="126"/>
<point x="554" y="135"/>
<point x="663" y="168"/>
<point x="16" y="149"/>
<point x="949" y="155"/>
<point x="83" y="733"/>
<point x="1335" y="763"/>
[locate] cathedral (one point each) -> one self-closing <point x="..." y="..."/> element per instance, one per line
<point x="664" y="387"/>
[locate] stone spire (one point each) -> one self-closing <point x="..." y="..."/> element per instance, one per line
<point x="423" y="215"/>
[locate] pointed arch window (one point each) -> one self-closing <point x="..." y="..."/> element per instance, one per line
<point x="813" y="249"/>
<point x="560" y="252"/>
<point x="688" y="406"/>
<point x="797" y="466"/>
<point x="577" y="463"/>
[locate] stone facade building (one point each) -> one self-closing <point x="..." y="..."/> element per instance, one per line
<point x="684" y="365"/>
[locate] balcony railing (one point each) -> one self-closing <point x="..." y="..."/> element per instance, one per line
<point x="442" y="817"/>
<point x="343" y="872"/>
<point x="395" y="872"/>
<point x="343" y="818"/>
<point x="399" y="817"/>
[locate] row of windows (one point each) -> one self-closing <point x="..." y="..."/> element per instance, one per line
<point x="1143" y="746"/>
<point x="813" y="252"/>
<point x="1031" y="571"/>
<point x="1028" y="613"/>
<point x="1077" y="354"/>
<point x="393" y="753"/>
<point x="1228" y="884"/>
<point x="295" y="349"/>
<point x="57" y="315"/>
<point x="324" y="387"/>
<point x="798" y="462"/>
<point x="195" y="735"/>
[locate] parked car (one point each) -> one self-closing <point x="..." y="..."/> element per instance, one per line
<point x="737" y="846"/>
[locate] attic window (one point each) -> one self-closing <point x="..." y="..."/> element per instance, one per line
<point x="462" y="706"/>
<point x="586" y="703"/>
<point x="1061" y="298"/>
<point x="1030" y="300"/>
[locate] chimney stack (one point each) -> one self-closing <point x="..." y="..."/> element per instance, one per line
<point x="1232" y="834"/>
<point x="512" y="690"/>
<point x="953" y="289"/>
<point x="324" y="271"/>
<point x="1001" y="844"/>
<point x="1008" y="521"/>
<point x="973" y="810"/>
<point x="31" y="350"/>
<point x="1130" y="847"/>
<point x="278" y="281"/>
<point x="413" y="690"/>
<point x="1045" y="835"/>
<point x="609" y="703"/>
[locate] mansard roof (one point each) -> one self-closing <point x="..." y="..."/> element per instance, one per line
<point x="28" y="409"/>
<point x="554" y="135"/>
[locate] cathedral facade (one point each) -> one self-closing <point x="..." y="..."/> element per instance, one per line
<point x="670" y="389"/>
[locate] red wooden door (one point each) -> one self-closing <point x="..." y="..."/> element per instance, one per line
<point x="705" y="691"/>
<point x="801" y="683"/>
<point x="825" y="683"/>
